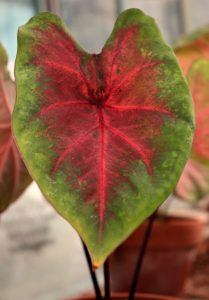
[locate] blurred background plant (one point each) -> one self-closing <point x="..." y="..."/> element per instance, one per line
<point x="193" y="53"/>
<point x="14" y="177"/>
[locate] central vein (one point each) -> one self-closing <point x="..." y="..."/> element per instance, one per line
<point x="101" y="170"/>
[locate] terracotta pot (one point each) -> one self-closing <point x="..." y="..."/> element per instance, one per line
<point x="197" y="285"/>
<point x="168" y="260"/>
<point x="122" y="296"/>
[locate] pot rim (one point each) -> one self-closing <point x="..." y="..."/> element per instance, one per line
<point x="146" y="296"/>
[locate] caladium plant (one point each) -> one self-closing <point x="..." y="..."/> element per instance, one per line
<point x="191" y="50"/>
<point x="191" y="47"/>
<point x="14" y="177"/>
<point x="194" y="181"/>
<point x="198" y="79"/>
<point x="104" y="135"/>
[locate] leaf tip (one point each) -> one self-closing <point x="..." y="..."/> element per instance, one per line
<point x="96" y="264"/>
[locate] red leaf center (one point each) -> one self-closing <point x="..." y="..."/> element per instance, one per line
<point x="101" y="111"/>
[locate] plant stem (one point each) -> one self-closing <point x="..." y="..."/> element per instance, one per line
<point x="107" y="280"/>
<point x="92" y="273"/>
<point x="140" y="258"/>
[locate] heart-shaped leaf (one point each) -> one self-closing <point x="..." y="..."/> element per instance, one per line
<point x="104" y="135"/>
<point x="192" y="47"/>
<point x="14" y="177"/>
<point x="198" y="79"/>
<point x="194" y="181"/>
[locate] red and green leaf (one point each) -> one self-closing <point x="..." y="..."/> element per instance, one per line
<point x="194" y="181"/>
<point x="192" y="47"/>
<point x="14" y="177"/>
<point x="104" y="135"/>
<point x="191" y="50"/>
<point x="198" y="78"/>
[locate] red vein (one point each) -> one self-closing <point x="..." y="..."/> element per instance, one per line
<point x="77" y="62"/>
<point x="143" y="108"/>
<point x="101" y="173"/>
<point x="119" y="45"/>
<point x="129" y="76"/>
<point x="71" y="147"/>
<point x="67" y="45"/>
<point x="60" y="104"/>
<point x="63" y="68"/>
<point x="131" y="143"/>
<point x="67" y="69"/>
